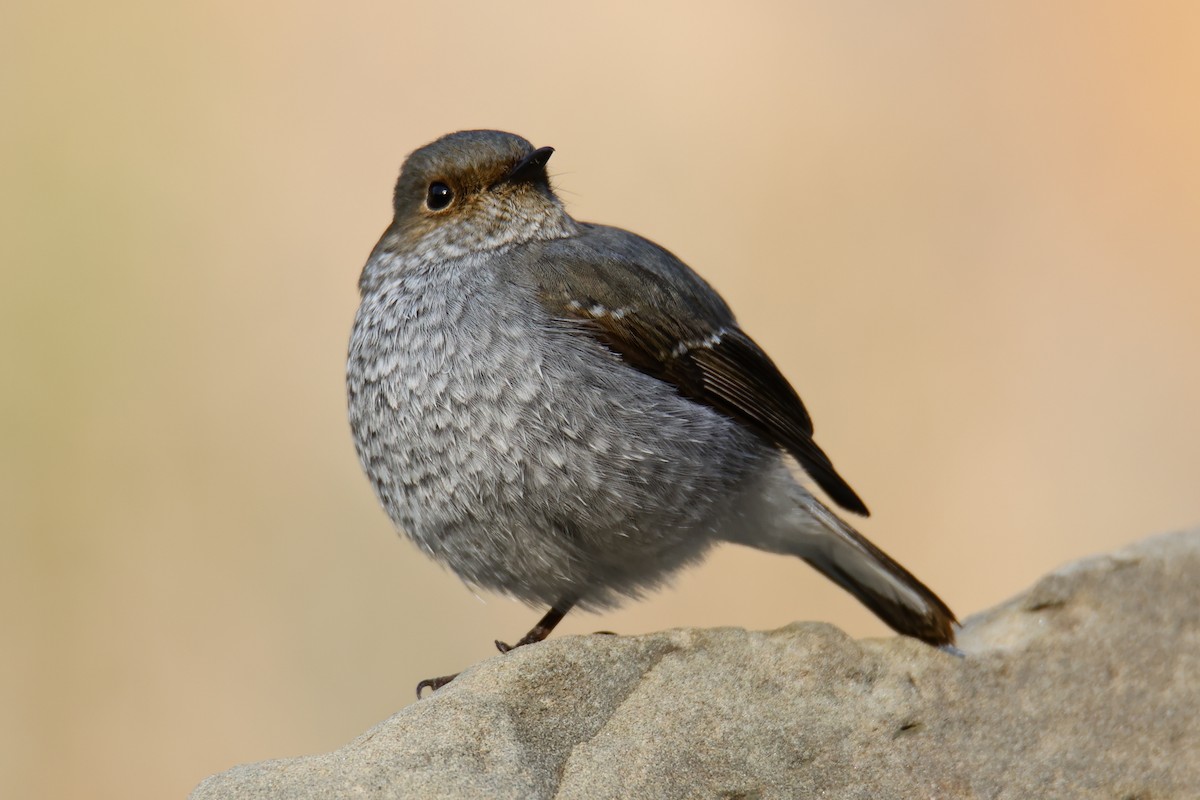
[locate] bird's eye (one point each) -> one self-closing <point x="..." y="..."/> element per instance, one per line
<point x="439" y="196"/>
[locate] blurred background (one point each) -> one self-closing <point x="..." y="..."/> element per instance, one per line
<point x="969" y="234"/>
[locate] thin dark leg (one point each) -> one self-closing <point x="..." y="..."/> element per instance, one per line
<point x="538" y="633"/>
<point x="542" y="629"/>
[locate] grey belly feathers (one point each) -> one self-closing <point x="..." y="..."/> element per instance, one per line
<point x="525" y="455"/>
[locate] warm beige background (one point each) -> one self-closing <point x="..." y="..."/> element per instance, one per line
<point x="970" y="234"/>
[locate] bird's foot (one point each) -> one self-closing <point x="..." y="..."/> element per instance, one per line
<point x="434" y="683"/>
<point x="539" y="632"/>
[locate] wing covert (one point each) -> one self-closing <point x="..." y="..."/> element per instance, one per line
<point x="662" y="319"/>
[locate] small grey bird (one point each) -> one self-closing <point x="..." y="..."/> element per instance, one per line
<point x="567" y="413"/>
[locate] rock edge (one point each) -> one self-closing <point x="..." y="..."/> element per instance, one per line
<point x="1087" y="685"/>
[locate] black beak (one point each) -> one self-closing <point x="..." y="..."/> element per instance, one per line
<point x="530" y="166"/>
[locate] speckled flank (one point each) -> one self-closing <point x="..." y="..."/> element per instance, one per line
<point x="521" y="466"/>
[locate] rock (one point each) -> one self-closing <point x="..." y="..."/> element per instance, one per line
<point x="1086" y="686"/>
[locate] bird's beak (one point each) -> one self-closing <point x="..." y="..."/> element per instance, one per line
<point x="529" y="166"/>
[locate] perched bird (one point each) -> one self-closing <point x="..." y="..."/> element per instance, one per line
<point x="565" y="412"/>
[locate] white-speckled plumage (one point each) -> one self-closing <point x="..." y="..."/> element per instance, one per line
<point x="522" y="454"/>
<point x="565" y="412"/>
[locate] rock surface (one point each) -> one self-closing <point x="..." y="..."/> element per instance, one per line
<point x="1086" y="686"/>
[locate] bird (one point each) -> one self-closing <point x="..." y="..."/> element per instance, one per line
<point x="566" y="413"/>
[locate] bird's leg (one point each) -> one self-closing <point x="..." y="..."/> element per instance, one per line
<point x="538" y="633"/>
<point x="543" y="628"/>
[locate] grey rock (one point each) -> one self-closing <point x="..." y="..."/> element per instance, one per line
<point x="1086" y="686"/>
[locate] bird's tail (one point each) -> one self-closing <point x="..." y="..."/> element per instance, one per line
<point x="891" y="592"/>
<point x="846" y="557"/>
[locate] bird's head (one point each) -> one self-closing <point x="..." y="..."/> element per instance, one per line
<point x="473" y="191"/>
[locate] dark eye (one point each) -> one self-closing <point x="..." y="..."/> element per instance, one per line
<point x="439" y="196"/>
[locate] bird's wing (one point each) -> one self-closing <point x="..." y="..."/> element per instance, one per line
<point x="648" y="307"/>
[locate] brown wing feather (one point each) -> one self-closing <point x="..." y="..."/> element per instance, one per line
<point x="743" y="382"/>
<point x="722" y="368"/>
<point x="649" y="308"/>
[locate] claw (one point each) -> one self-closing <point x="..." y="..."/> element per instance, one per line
<point x="434" y="683"/>
<point x="539" y="632"/>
